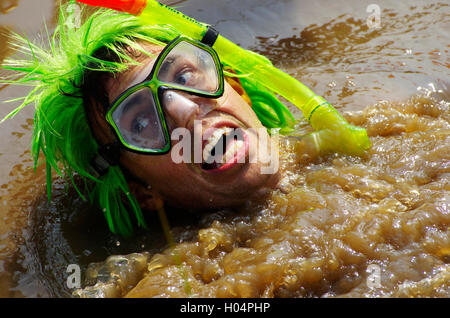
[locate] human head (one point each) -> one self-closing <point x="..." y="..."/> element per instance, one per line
<point x="115" y="49"/>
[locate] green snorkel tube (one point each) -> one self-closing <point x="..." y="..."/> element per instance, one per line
<point x="332" y="132"/>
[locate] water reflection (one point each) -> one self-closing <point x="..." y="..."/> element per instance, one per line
<point x="353" y="66"/>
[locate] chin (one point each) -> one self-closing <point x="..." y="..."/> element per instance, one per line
<point x="247" y="187"/>
<point x="204" y="195"/>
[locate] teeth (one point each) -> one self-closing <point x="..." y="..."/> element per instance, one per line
<point x="233" y="150"/>
<point x="213" y="140"/>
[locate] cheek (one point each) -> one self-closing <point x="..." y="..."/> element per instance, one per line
<point x="233" y="103"/>
<point x="155" y="169"/>
<point x="175" y="182"/>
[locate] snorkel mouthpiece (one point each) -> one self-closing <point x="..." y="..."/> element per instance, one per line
<point x="332" y="132"/>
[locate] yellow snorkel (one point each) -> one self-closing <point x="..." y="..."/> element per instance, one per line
<point x="332" y="132"/>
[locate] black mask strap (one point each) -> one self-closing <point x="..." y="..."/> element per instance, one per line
<point x="108" y="155"/>
<point x="210" y="36"/>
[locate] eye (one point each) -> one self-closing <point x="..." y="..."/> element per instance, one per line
<point x="184" y="77"/>
<point x="140" y="123"/>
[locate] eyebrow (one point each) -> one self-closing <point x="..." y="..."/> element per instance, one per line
<point x="133" y="84"/>
<point x="147" y="75"/>
<point x="168" y="62"/>
<point x="135" y="99"/>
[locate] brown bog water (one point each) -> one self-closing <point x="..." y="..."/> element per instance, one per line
<point x="342" y="226"/>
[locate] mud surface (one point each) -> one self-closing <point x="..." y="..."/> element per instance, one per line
<point x="339" y="222"/>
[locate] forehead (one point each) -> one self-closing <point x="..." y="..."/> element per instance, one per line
<point x="135" y="73"/>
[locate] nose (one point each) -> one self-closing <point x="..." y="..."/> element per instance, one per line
<point x="184" y="108"/>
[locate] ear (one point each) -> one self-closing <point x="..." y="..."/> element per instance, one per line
<point x="237" y="86"/>
<point x="148" y="199"/>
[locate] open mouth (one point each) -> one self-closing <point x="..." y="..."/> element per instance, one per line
<point x="224" y="148"/>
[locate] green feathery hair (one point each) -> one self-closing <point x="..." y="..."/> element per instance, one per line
<point x="58" y="77"/>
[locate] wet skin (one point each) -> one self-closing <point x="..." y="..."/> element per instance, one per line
<point x="187" y="185"/>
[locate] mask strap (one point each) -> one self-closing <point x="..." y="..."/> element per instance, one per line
<point x="210" y="36"/>
<point x="108" y="155"/>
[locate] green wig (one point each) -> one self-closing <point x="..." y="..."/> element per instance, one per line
<point x="61" y="79"/>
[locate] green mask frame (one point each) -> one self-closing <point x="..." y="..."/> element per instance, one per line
<point x="153" y="88"/>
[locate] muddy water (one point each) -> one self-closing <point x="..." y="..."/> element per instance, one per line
<point x="339" y="222"/>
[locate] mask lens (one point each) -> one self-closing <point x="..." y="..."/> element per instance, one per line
<point x="190" y="66"/>
<point x="138" y="122"/>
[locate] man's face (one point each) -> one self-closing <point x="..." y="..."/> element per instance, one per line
<point x="196" y="184"/>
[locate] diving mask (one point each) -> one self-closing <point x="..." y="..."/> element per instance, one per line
<point x="185" y="67"/>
